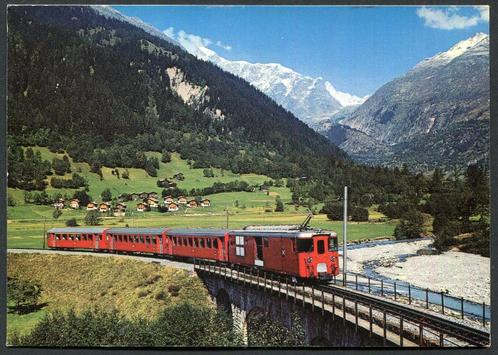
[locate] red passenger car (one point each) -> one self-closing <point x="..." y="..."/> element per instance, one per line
<point x="77" y="238"/>
<point x="198" y="243"/>
<point x="305" y="254"/>
<point x="138" y="240"/>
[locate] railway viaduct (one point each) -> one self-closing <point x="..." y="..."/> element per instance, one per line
<point x="330" y="315"/>
<point x="244" y="303"/>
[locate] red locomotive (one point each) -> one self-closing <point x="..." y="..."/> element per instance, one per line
<point x="302" y="253"/>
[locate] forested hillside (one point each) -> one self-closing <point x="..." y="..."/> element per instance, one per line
<point x="106" y="91"/>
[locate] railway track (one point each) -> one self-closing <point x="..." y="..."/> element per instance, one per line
<point x="474" y="336"/>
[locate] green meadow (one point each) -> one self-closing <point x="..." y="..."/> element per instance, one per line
<point x="27" y="222"/>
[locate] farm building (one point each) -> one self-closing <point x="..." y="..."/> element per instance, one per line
<point x="182" y="200"/>
<point x="172" y="207"/>
<point x="142" y="207"/>
<point x="193" y="204"/>
<point x="74" y="203"/>
<point x="152" y="195"/>
<point x="143" y="195"/>
<point x="59" y="204"/>
<point x="134" y="196"/>
<point x="179" y="176"/>
<point x="92" y="206"/>
<point x="104" y="207"/>
<point x="168" y="200"/>
<point x="119" y="210"/>
<point x="166" y="183"/>
<point x="205" y="202"/>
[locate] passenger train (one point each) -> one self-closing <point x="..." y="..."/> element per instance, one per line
<point x="302" y="253"/>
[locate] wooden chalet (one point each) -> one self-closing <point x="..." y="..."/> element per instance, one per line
<point x="104" y="207"/>
<point x="91" y="206"/>
<point x="119" y="210"/>
<point x="193" y="204"/>
<point x="205" y="202"/>
<point x="74" y="203"/>
<point x="134" y="196"/>
<point x="153" y="202"/>
<point x="142" y="207"/>
<point x="143" y="195"/>
<point x="168" y="200"/>
<point x="59" y="204"/>
<point x="172" y="207"/>
<point x="182" y="200"/>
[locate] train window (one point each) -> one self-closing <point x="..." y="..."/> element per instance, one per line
<point x="100" y="237"/>
<point x="196" y="243"/>
<point x="190" y="243"/>
<point x="320" y="245"/>
<point x="77" y="237"/>
<point x="141" y="239"/>
<point x="215" y="243"/>
<point x="333" y="244"/>
<point x="201" y="243"/>
<point x="72" y="237"/>
<point x="266" y="242"/>
<point x="208" y="243"/>
<point x="56" y="237"/>
<point x="90" y="237"/>
<point x="239" y="246"/>
<point x="304" y="245"/>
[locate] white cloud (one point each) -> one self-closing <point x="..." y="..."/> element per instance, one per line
<point x="170" y="32"/>
<point x="193" y="43"/>
<point x="224" y="46"/>
<point x="449" y="18"/>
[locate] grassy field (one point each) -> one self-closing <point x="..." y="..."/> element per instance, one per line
<point x="139" y="180"/>
<point x="132" y="287"/>
<point x="26" y="222"/>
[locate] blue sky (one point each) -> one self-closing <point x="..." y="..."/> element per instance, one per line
<point x="358" y="49"/>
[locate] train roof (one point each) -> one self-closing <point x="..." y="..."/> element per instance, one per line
<point x="279" y="233"/>
<point x="142" y="230"/>
<point x="83" y="230"/>
<point x="201" y="232"/>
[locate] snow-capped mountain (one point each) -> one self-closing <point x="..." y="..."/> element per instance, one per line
<point x="478" y="41"/>
<point x="310" y="99"/>
<point x="437" y="114"/>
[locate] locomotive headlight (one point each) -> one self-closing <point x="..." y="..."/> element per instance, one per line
<point x="310" y="259"/>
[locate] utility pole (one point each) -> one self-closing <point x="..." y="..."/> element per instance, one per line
<point x="344" y="235"/>
<point x="44" y="232"/>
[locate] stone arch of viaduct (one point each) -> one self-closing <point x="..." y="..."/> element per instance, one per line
<point x="241" y="302"/>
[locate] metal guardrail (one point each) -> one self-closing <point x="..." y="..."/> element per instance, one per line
<point x="423" y="297"/>
<point x="433" y="330"/>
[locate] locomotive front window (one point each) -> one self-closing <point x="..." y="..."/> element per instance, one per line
<point x="320" y="245"/>
<point x="333" y="244"/>
<point x="304" y="245"/>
